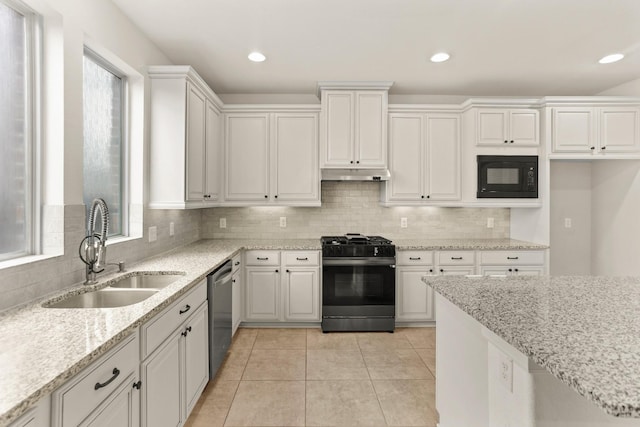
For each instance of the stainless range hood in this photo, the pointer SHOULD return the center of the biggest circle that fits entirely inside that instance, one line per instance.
(355, 174)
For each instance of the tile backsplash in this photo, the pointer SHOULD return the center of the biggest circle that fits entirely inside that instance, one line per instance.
(355, 207)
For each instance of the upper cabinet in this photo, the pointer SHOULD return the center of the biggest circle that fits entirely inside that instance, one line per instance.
(271, 158)
(593, 130)
(424, 158)
(353, 126)
(185, 140)
(508, 127)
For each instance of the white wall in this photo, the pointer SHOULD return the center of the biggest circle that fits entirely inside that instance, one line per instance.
(570, 198)
(68, 25)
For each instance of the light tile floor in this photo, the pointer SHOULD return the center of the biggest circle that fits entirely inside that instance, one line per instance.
(302, 377)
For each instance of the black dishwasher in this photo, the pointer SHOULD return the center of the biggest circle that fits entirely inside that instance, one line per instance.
(219, 294)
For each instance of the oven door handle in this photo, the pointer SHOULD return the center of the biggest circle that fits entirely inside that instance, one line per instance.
(355, 261)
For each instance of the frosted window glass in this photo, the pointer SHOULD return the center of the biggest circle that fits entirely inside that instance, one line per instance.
(14, 136)
(102, 168)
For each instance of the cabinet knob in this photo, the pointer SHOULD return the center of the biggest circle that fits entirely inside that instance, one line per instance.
(505, 141)
(276, 196)
(510, 270)
(511, 141)
(358, 162)
(431, 270)
(441, 271)
(137, 385)
(603, 148)
(277, 271)
(428, 196)
(592, 148)
(266, 197)
(351, 162)
(422, 196)
(515, 269)
(288, 271)
(233, 280)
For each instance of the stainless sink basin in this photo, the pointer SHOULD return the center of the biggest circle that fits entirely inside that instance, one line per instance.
(146, 281)
(104, 298)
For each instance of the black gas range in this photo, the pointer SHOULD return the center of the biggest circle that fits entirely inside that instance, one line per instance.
(358, 283)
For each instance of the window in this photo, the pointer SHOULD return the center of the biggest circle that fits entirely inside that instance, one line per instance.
(104, 101)
(18, 63)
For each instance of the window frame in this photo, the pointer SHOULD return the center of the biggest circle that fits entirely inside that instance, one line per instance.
(33, 129)
(124, 137)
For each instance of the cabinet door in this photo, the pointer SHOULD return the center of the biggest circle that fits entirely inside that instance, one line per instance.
(414, 297)
(456, 271)
(443, 157)
(302, 294)
(371, 129)
(406, 145)
(529, 271)
(573, 130)
(524, 127)
(247, 157)
(196, 357)
(262, 293)
(236, 309)
(213, 161)
(492, 127)
(196, 120)
(619, 129)
(161, 388)
(337, 129)
(496, 271)
(119, 410)
(295, 163)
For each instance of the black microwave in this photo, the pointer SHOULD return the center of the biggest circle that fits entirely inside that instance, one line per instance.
(507, 177)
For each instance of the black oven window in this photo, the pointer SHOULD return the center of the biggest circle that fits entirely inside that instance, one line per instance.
(503, 176)
(359, 285)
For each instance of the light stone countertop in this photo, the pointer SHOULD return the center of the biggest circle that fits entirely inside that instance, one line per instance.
(583, 330)
(464, 244)
(41, 348)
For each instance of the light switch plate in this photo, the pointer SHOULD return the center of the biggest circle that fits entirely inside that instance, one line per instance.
(172, 228)
(223, 222)
(490, 223)
(153, 234)
(505, 371)
(567, 223)
(283, 222)
(403, 222)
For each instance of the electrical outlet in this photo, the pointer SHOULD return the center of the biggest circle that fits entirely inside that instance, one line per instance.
(172, 228)
(223, 222)
(283, 221)
(505, 371)
(567, 223)
(490, 222)
(153, 234)
(403, 222)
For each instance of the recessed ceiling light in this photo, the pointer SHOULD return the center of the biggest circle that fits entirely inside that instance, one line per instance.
(611, 58)
(256, 57)
(440, 57)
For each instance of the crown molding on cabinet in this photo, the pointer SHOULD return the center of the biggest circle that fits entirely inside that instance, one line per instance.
(174, 71)
(351, 85)
(271, 108)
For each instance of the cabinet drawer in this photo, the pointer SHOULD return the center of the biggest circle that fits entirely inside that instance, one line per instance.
(456, 258)
(160, 327)
(262, 257)
(236, 263)
(414, 258)
(512, 257)
(75, 400)
(301, 258)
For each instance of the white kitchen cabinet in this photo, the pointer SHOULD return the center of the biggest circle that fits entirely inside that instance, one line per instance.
(512, 263)
(236, 292)
(424, 157)
(301, 290)
(177, 369)
(596, 130)
(456, 263)
(456, 270)
(353, 132)
(262, 293)
(38, 416)
(106, 391)
(496, 270)
(508, 127)
(414, 298)
(247, 157)
(271, 158)
(282, 286)
(185, 140)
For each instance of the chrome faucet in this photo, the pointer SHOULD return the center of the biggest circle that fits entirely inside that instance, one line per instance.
(93, 244)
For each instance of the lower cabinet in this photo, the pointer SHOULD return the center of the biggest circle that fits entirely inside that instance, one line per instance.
(38, 416)
(512, 263)
(285, 290)
(236, 297)
(175, 372)
(527, 270)
(104, 394)
(414, 298)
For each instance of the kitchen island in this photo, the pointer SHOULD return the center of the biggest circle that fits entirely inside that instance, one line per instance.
(537, 351)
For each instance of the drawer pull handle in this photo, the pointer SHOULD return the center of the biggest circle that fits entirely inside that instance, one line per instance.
(186, 331)
(456, 257)
(187, 308)
(262, 259)
(417, 258)
(512, 257)
(237, 263)
(137, 385)
(302, 259)
(116, 372)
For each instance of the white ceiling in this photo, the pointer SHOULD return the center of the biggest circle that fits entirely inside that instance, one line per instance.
(497, 47)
